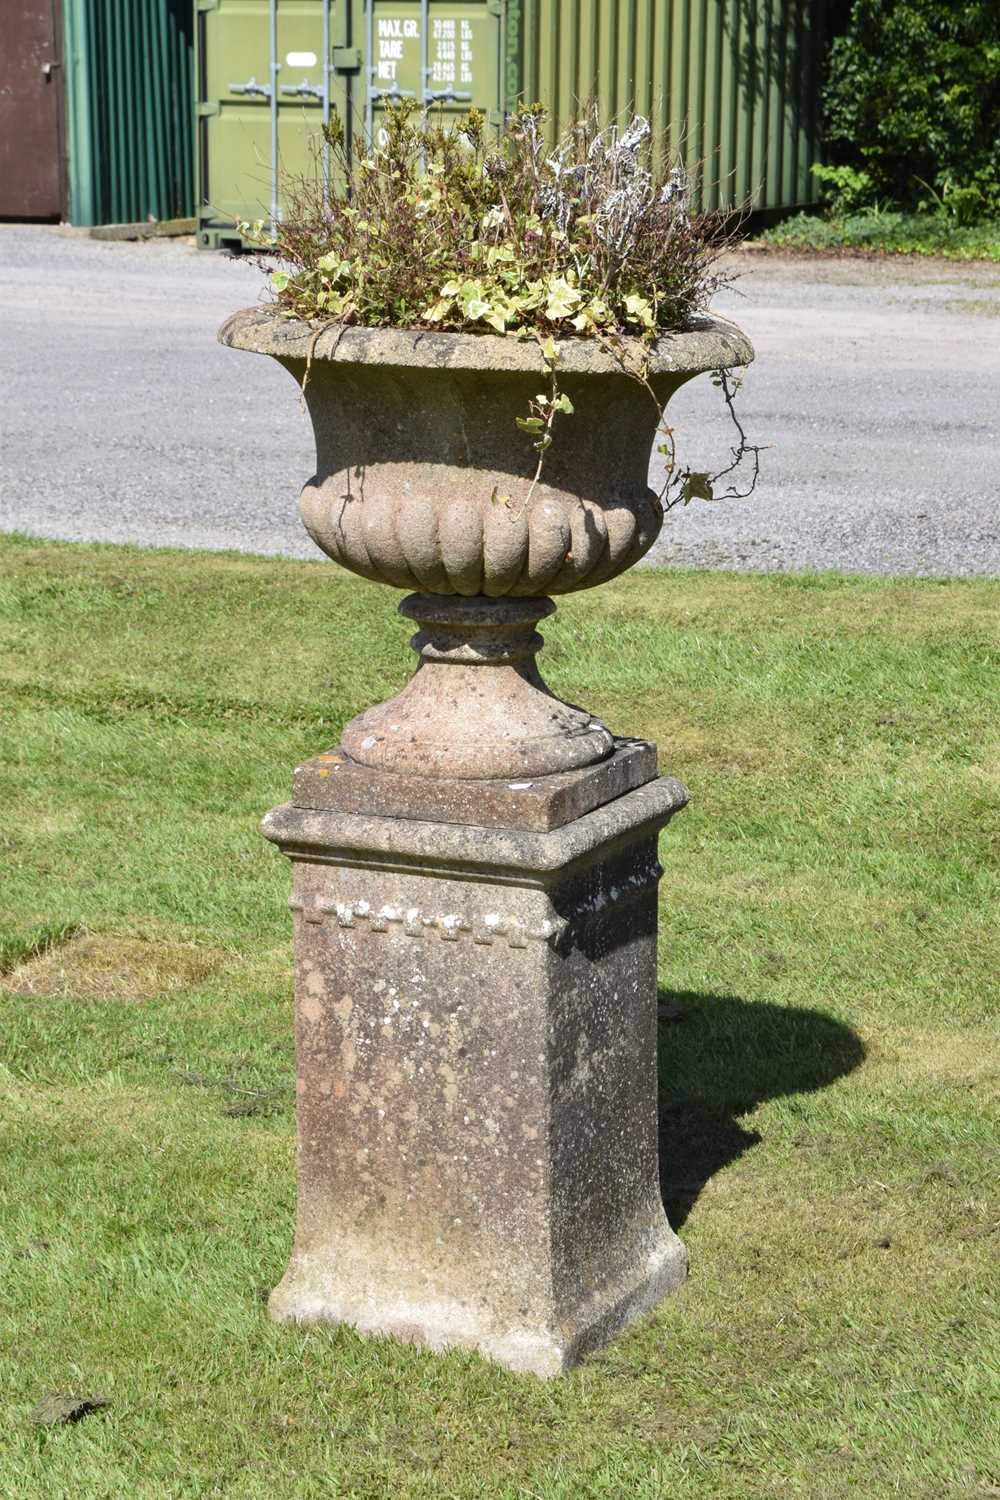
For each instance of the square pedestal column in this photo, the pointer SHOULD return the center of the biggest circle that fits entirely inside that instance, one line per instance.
(476, 1039)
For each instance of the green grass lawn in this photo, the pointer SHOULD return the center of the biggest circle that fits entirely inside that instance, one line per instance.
(886, 233)
(829, 932)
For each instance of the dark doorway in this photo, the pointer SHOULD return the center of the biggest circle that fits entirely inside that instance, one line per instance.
(32, 170)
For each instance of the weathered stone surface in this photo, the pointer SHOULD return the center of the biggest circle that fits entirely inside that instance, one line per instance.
(477, 706)
(423, 480)
(334, 782)
(492, 852)
(477, 1079)
(708, 343)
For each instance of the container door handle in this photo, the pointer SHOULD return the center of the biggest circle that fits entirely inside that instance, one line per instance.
(445, 94)
(251, 87)
(394, 93)
(304, 89)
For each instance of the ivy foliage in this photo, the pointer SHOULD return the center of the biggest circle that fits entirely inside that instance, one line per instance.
(468, 229)
(912, 103)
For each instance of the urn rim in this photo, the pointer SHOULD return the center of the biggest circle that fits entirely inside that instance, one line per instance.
(709, 342)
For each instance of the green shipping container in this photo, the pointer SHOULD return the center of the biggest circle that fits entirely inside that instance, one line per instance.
(268, 71)
(731, 85)
(128, 110)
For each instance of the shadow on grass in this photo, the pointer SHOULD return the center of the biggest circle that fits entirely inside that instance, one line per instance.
(719, 1058)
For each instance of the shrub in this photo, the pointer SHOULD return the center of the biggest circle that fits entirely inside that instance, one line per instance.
(881, 232)
(461, 229)
(912, 101)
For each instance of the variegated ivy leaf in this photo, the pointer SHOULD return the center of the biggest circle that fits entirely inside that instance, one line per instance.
(562, 299)
(639, 310)
(334, 266)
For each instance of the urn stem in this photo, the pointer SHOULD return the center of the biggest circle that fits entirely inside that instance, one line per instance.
(477, 706)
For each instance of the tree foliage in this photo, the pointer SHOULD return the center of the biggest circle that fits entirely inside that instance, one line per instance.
(912, 103)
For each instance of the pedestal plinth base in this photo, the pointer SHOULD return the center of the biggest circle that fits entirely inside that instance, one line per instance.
(307, 1294)
(476, 1037)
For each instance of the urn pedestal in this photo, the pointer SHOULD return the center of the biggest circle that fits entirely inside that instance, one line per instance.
(476, 1076)
(475, 866)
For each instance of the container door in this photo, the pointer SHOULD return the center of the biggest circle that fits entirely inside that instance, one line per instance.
(304, 41)
(31, 154)
(269, 72)
(266, 79)
(446, 54)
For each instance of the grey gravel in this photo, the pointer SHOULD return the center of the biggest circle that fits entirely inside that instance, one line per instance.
(875, 388)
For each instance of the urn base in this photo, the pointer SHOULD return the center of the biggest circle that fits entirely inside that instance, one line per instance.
(477, 1078)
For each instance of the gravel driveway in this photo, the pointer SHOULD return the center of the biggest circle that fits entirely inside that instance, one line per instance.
(875, 388)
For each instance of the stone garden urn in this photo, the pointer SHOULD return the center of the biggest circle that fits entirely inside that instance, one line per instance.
(475, 865)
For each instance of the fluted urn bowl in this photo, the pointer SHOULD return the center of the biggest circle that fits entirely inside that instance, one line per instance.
(423, 479)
